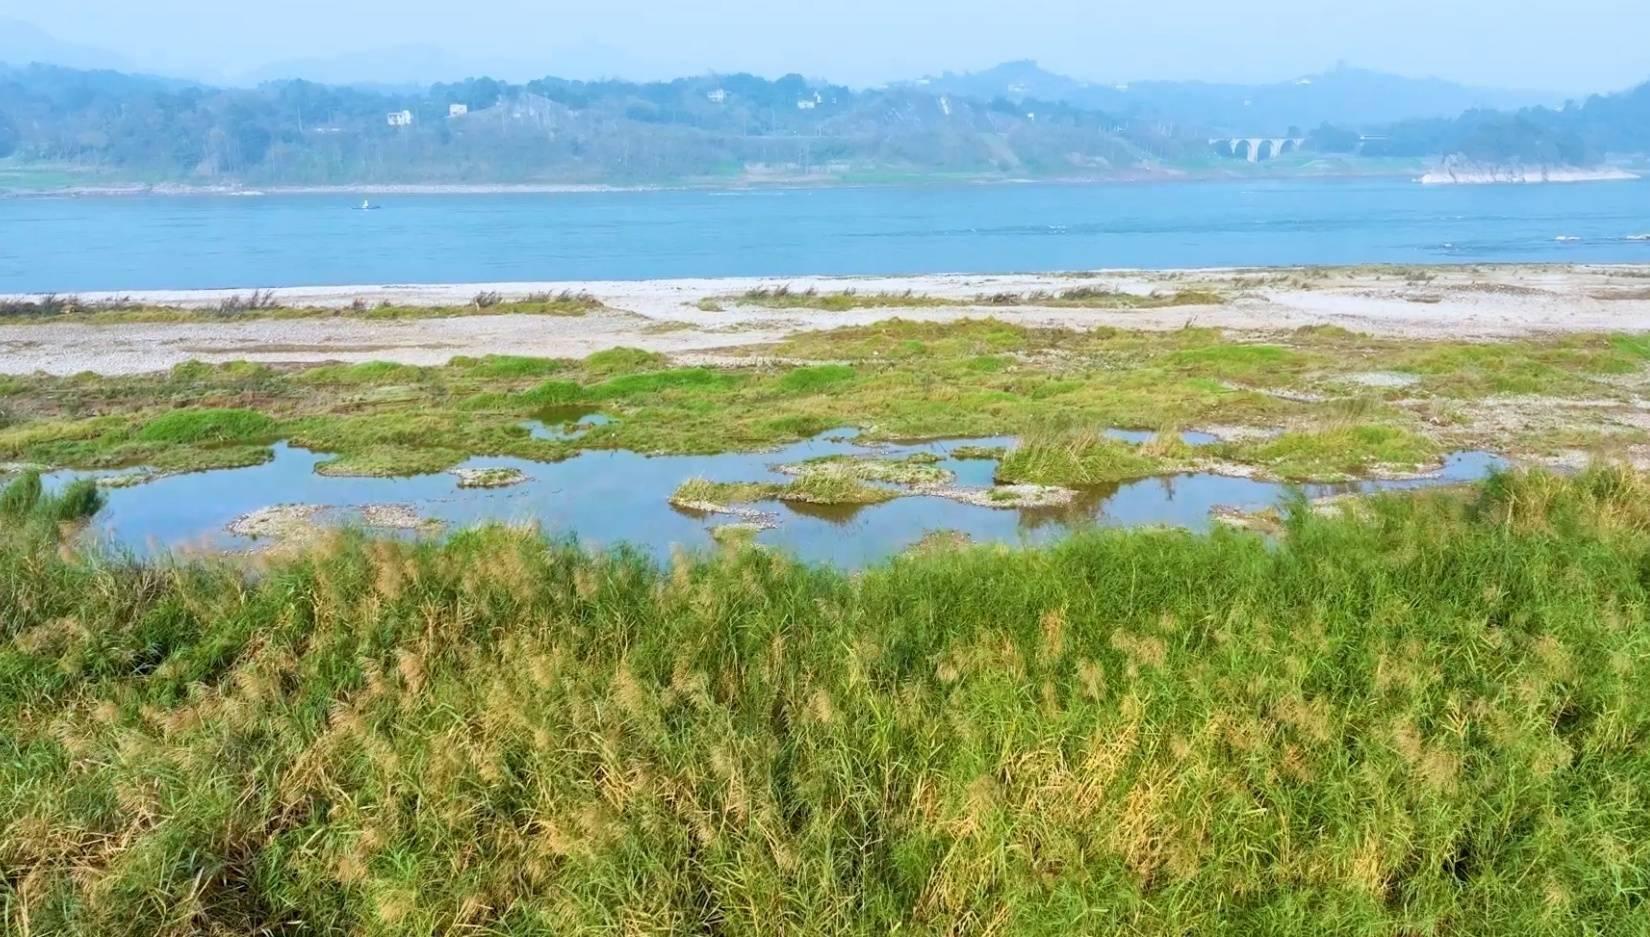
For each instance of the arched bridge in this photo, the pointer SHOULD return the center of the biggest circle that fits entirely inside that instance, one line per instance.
(1255, 149)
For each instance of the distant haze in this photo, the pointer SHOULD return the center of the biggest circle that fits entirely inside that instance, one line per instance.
(1573, 47)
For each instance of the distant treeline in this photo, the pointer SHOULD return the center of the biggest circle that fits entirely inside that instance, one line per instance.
(546, 130)
(553, 130)
(1575, 135)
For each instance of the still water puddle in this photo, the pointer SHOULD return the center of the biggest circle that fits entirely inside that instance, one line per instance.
(557, 424)
(604, 498)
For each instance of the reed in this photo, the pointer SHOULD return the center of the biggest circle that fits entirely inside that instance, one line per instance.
(1425, 718)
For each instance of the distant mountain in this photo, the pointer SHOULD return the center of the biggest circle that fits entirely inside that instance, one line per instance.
(22, 43)
(1343, 96)
(392, 67)
(407, 66)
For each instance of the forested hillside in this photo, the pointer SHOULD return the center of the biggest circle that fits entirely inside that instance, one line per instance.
(704, 128)
(1574, 135)
(548, 130)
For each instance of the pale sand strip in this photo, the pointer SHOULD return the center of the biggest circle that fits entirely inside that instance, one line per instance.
(662, 315)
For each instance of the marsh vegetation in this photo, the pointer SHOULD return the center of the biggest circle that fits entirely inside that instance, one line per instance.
(784, 297)
(1313, 404)
(266, 304)
(1400, 720)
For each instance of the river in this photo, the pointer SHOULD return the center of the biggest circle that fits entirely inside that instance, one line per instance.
(65, 245)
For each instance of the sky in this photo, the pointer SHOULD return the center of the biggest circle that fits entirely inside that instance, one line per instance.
(1575, 46)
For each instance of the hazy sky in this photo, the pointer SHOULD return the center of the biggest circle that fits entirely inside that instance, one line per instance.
(1571, 46)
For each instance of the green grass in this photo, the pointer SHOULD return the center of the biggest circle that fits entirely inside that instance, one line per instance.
(823, 488)
(209, 426)
(1428, 719)
(914, 469)
(506, 367)
(1267, 364)
(619, 360)
(815, 379)
(367, 372)
(892, 380)
(653, 382)
(552, 393)
(1339, 452)
(21, 495)
(1562, 365)
(704, 491)
(1073, 457)
(391, 461)
(827, 480)
(24, 501)
(832, 488)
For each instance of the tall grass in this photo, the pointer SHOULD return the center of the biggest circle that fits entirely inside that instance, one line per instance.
(783, 297)
(1055, 456)
(258, 300)
(24, 501)
(1429, 719)
(1088, 297)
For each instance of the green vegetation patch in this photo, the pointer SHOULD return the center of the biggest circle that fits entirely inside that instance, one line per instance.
(1340, 452)
(389, 461)
(1070, 458)
(209, 426)
(621, 360)
(833, 488)
(1251, 363)
(698, 491)
(1561, 365)
(900, 339)
(507, 367)
(892, 380)
(24, 501)
(915, 469)
(822, 488)
(551, 393)
(653, 382)
(1404, 720)
(811, 380)
(367, 372)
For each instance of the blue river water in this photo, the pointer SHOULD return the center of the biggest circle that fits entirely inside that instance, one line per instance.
(68, 245)
(606, 497)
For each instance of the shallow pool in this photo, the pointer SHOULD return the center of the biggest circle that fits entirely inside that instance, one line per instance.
(604, 498)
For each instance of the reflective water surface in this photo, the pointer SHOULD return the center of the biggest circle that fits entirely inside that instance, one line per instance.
(604, 498)
(135, 243)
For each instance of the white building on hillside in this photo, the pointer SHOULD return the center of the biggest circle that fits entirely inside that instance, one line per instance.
(457, 110)
(399, 118)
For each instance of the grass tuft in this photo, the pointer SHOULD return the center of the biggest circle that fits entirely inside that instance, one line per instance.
(783, 297)
(209, 426)
(811, 380)
(1344, 451)
(1073, 457)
